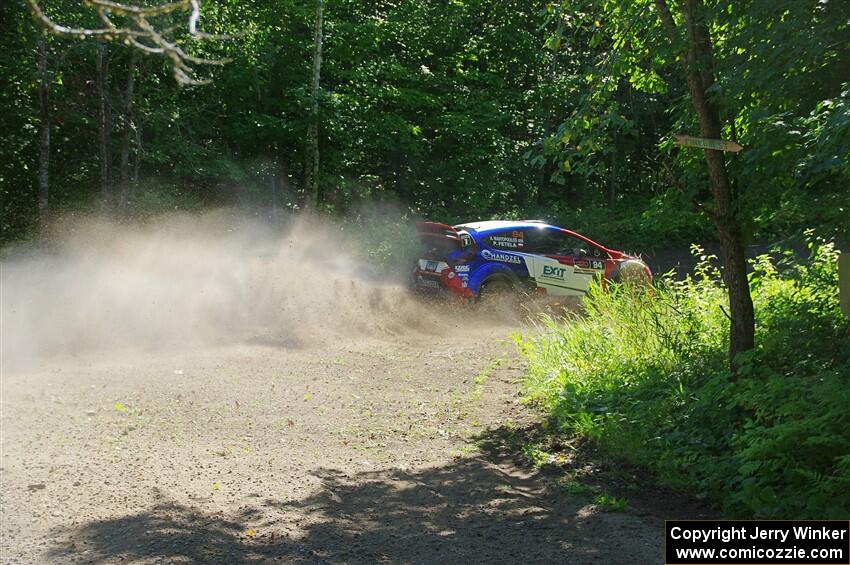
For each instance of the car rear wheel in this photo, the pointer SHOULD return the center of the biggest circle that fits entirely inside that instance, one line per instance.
(498, 295)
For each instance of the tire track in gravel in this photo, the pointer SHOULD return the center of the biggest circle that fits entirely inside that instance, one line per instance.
(359, 452)
(207, 389)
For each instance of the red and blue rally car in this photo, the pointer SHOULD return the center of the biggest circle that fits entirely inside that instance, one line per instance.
(476, 259)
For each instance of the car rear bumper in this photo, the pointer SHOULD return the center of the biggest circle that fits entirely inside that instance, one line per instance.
(436, 285)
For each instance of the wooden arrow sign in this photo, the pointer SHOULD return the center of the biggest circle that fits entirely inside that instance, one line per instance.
(703, 143)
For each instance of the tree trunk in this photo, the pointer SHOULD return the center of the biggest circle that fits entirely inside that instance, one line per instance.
(44, 145)
(612, 177)
(137, 160)
(311, 183)
(137, 132)
(546, 188)
(105, 118)
(124, 191)
(699, 71)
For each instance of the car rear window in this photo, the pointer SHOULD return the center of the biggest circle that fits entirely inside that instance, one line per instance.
(438, 246)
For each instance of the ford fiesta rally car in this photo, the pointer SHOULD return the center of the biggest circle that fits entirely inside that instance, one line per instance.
(474, 260)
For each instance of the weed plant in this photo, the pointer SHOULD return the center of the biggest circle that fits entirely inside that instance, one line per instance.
(642, 372)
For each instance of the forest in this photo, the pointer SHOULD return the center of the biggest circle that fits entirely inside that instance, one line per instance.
(451, 109)
(729, 382)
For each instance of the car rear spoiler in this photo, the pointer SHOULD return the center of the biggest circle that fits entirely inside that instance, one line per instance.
(439, 241)
(434, 229)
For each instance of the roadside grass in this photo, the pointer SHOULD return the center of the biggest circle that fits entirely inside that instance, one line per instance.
(465, 451)
(611, 503)
(571, 486)
(572, 469)
(642, 375)
(481, 378)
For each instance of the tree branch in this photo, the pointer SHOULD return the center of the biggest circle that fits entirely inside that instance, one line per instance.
(139, 33)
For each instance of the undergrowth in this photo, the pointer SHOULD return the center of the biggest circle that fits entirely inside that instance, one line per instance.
(643, 374)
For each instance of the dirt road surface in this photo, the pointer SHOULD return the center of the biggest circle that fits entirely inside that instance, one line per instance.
(366, 452)
(199, 391)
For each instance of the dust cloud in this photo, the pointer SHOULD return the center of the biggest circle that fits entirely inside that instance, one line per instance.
(184, 281)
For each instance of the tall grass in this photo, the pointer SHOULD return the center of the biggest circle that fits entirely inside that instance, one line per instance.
(642, 373)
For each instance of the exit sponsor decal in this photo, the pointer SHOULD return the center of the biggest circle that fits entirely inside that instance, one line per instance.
(554, 272)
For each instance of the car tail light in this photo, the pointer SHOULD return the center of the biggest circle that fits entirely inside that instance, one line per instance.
(436, 267)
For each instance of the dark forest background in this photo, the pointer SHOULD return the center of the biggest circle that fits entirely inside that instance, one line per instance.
(451, 110)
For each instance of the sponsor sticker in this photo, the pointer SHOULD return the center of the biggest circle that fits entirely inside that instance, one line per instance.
(589, 267)
(461, 269)
(553, 272)
(503, 257)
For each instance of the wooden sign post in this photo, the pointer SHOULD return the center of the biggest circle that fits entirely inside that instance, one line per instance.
(703, 143)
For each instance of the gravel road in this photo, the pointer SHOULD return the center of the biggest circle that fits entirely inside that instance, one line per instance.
(199, 391)
(361, 452)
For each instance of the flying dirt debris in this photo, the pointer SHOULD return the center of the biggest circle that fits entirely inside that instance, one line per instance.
(209, 387)
(181, 282)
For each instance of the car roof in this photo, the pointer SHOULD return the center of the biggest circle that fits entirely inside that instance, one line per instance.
(496, 225)
(482, 229)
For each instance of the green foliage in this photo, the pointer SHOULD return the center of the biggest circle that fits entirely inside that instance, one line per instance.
(569, 486)
(482, 377)
(642, 373)
(384, 239)
(781, 70)
(536, 456)
(611, 503)
(455, 111)
(635, 224)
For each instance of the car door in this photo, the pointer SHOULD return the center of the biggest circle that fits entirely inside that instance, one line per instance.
(564, 265)
(507, 248)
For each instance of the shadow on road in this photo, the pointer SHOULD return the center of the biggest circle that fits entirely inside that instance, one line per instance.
(476, 509)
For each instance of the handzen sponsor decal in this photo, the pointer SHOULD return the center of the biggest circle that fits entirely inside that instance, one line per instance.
(504, 257)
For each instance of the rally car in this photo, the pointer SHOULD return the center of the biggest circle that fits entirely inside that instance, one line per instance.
(478, 259)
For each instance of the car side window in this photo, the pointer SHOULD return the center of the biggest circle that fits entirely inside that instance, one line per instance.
(510, 240)
(558, 243)
(468, 248)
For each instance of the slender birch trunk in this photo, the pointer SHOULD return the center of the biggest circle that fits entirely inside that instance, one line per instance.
(312, 164)
(44, 143)
(612, 177)
(104, 123)
(127, 123)
(138, 150)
